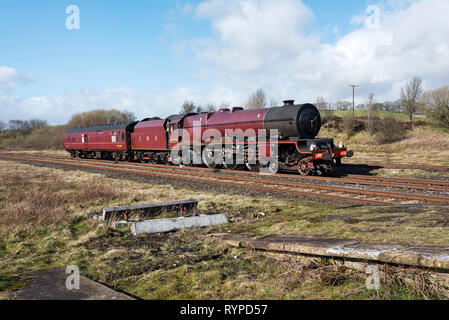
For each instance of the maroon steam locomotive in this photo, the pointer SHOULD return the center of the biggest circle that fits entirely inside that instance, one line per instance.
(226, 134)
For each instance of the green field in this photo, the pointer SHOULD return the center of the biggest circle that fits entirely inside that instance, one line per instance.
(383, 114)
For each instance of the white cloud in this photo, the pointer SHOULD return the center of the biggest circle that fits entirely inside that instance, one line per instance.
(263, 44)
(8, 76)
(358, 19)
(252, 34)
(59, 109)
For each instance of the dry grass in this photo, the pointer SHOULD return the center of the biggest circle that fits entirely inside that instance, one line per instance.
(30, 196)
(44, 225)
(46, 152)
(421, 145)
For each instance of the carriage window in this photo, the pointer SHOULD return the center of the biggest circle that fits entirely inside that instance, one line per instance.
(123, 136)
(113, 137)
(119, 137)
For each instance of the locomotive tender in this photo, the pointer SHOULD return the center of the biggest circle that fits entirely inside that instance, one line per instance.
(154, 140)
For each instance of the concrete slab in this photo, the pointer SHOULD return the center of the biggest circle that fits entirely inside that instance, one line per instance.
(428, 257)
(314, 246)
(166, 225)
(51, 285)
(149, 209)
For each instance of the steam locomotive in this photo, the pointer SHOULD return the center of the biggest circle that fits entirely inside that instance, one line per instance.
(273, 138)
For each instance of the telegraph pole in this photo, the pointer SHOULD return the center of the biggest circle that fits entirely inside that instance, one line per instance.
(353, 97)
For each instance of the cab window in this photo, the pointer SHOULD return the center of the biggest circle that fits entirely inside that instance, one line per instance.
(113, 137)
(119, 137)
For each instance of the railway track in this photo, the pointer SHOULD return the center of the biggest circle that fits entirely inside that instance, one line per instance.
(404, 166)
(299, 187)
(350, 179)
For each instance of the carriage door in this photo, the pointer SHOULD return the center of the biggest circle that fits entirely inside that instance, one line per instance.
(83, 141)
(175, 134)
(167, 134)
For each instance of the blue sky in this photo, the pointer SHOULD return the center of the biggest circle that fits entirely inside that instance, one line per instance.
(157, 48)
(119, 43)
(116, 45)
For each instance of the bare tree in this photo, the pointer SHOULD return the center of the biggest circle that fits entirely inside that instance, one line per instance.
(210, 108)
(436, 103)
(16, 127)
(188, 107)
(100, 117)
(2, 126)
(321, 104)
(410, 95)
(224, 105)
(37, 124)
(273, 103)
(129, 116)
(343, 105)
(257, 100)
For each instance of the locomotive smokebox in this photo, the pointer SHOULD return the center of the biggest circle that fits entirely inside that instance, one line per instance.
(301, 121)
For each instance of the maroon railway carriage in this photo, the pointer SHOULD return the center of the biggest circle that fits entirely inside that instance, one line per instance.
(153, 139)
(102, 142)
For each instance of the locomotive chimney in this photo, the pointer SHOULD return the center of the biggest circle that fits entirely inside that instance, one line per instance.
(289, 103)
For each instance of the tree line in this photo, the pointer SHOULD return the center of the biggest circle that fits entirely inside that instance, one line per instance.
(36, 133)
(257, 100)
(412, 100)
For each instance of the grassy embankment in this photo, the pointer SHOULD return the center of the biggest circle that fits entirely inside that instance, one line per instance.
(43, 224)
(423, 144)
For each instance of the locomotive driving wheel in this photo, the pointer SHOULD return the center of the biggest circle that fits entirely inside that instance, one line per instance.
(272, 167)
(253, 167)
(230, 161)
(230, 165)
(208, 157)
(303, 168)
